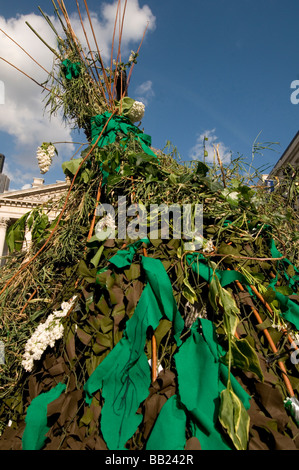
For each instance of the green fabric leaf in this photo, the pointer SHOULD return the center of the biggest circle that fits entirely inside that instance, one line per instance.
(36, 428)
(169, 432)
(202, 169)
(96, 259)
(289, 309)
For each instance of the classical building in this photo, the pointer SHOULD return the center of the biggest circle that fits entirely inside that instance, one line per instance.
(289, 157)
(14, 204)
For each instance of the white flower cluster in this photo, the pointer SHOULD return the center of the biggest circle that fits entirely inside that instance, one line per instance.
(132, 56)
(136, 113)
(45, 335)
(208, 246)
(44, 155)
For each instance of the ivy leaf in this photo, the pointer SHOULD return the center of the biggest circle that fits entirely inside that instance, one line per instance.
(234, 418)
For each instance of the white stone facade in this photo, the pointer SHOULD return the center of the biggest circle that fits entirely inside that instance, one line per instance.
(14, 204)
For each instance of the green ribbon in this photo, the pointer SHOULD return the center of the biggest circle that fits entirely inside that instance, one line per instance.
(289, 309)
(201, 379)
(118, 126)
(71, 69)
(36, 428)
(169, 432)
(124, 258)
(124, 375)
(200, 265)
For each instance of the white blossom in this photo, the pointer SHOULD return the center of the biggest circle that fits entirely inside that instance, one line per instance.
(136, 113)
(208, 246)
(44, 156)
(132, 56)
(46, 334)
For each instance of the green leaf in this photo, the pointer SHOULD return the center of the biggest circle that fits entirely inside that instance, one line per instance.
(285, 290)
(245, 358)
(15, 234)
(221, 298)
(269, 295)
(71, 167)
(201, 169)
(188, 292)
(234, 418)
(133, 272)
(173, 179)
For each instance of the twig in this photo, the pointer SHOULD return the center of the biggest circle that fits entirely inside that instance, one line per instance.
(220, 164)
(154, 341)
(131, 70)
(27, 53)
(28, 76)
(87, 41)
(99, 54)
(30, 298)
(271, 344)
(95, 210)
(43, 41)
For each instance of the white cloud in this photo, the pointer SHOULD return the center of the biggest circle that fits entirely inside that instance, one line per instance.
(197, 151)
(23, 116)
(144, 92)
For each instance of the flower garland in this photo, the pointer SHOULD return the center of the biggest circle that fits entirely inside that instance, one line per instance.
(45, 335)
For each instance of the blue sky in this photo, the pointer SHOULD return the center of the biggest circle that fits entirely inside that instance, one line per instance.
(207, 67)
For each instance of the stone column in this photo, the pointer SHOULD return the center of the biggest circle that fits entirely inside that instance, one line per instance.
(3, 227)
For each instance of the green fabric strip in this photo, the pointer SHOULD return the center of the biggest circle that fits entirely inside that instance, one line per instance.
(201, 378)
(124, 258)
(169, 432)
(289, 309)
(71, 69)
(118, 126)
(200, 265)
(124, 375)
(36, 428)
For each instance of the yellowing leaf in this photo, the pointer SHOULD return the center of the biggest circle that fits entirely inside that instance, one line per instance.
(189, 292)
(234, 418)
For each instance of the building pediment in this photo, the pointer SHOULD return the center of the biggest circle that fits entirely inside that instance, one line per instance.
(32, 197)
